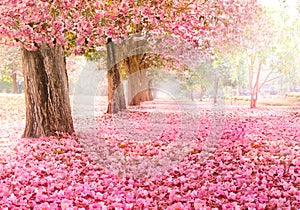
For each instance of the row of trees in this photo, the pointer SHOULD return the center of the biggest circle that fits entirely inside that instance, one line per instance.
(267, 50)
(47, 31)
(269, 46)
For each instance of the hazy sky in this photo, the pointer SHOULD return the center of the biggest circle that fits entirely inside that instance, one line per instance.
(275, 3)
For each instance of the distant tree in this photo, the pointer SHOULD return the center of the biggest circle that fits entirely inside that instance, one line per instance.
(267, 45)
(11, 66)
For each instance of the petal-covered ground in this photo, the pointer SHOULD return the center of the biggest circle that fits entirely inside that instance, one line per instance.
(256, 164)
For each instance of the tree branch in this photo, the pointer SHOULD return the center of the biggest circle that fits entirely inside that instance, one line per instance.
(265, 80)
(273, 79)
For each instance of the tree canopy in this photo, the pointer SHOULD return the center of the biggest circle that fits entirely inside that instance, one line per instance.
(80, 25)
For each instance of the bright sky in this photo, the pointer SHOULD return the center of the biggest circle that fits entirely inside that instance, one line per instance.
(275, 3)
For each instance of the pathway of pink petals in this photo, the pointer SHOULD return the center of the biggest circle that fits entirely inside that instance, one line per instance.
(256, 165)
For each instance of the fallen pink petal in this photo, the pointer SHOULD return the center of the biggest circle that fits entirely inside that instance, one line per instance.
(177, 105)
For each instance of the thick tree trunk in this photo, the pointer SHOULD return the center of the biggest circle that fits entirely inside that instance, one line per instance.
(134, 80)
(48, 109)
(138, 88)
(14, 81)
(144, 96)
(116, 97)
(135, 65)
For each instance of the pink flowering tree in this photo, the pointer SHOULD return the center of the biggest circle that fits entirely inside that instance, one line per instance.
(204, 24)
(47, 30)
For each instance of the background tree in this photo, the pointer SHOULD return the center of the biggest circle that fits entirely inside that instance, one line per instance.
(197, 22)
(10, 67)
(291, 41)
(201, 79)
(272, 50)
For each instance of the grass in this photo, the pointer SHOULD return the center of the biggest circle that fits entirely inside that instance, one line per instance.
(276, 101)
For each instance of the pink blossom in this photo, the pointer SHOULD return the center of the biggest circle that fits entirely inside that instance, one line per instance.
(66, 204)
(199, 204)
(176, 206)
(43, 206)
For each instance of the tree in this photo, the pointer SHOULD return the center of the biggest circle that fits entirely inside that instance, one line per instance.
(290, 66)
(10, 66)
(200, 79)
(44, 31)
(46, 92)
(116, 98)
(197, 22)
(268, 45)
(135, 66)
(48, 30)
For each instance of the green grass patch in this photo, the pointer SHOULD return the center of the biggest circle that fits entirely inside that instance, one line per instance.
(274, 102)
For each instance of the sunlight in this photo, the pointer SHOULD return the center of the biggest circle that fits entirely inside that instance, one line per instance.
(6, 146)
(292, 9)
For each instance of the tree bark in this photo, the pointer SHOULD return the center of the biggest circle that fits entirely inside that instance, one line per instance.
(138, 88)
(144, 96)
(14, 81)
(116, 97)
(134, 80)
(48, 109)
(135, 65)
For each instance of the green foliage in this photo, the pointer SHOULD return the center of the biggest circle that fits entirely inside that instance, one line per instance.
(273, 41)
(94, 55)
(6, 79)
(5, 86)
(10, 62)
(202, 77)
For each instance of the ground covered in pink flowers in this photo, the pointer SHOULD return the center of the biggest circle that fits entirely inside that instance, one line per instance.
(256, 165)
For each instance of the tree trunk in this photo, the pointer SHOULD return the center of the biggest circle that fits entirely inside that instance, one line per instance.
(253, 101)
(116, 98)
(254, 89)
(202, 93)
(137, 86)
(14, 81)
(149, 91)
(192, 95)
(48, 109)
(134, 80)
(144, 96)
